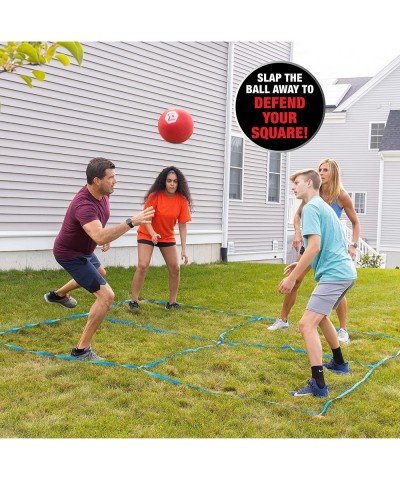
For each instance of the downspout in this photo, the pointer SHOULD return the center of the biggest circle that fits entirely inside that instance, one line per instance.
(287, 189)
(380, 203)
(227, 160)
(285, 225)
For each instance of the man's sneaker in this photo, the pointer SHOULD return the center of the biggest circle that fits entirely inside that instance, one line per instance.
(67, 301)
(311, 389)
(87, 355)
(343, 336)
(171, 306)
(279, 323)
(335, 367)
(133, 306)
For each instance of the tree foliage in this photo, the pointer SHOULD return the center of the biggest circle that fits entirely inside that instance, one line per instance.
(35, 55)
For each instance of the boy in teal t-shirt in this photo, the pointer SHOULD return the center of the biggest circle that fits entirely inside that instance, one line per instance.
(326, 252)
(333, 262)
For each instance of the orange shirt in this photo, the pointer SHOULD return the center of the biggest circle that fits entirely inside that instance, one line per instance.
(168, 211)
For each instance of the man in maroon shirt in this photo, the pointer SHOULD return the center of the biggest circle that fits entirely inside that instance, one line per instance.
(83, 228)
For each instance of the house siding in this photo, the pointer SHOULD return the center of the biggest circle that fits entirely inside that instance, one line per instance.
(110, 107)
(390, 200)
(348, 144)
(254, 223)
(49, 134)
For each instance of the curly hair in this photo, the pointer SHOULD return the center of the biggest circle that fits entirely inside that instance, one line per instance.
(160, 184)
(335, 184)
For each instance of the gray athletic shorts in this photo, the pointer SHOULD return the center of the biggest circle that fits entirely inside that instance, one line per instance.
(327, 295)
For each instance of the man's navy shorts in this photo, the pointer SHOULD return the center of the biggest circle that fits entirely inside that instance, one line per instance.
(84, 270)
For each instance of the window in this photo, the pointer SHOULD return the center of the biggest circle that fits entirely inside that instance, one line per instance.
(236, 169)
(274, 177)
(376, 134)
(359, 201)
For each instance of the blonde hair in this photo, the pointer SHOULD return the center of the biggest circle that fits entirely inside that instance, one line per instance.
(310, 174)
(334, 186)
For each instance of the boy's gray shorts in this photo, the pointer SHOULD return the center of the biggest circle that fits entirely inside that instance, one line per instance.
(327, 295)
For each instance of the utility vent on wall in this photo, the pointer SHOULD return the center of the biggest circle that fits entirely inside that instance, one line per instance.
(231, 247)
(275, 245)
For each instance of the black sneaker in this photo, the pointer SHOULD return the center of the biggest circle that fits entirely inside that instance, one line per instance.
(170, 306)
(133, 306)
(67, 301)
(86, 356)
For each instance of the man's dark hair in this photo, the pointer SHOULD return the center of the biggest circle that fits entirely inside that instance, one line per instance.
(97, 168)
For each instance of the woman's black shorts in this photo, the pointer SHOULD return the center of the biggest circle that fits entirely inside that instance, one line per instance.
(159, 244)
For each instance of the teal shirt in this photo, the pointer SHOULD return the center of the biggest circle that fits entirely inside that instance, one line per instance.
(333, 262)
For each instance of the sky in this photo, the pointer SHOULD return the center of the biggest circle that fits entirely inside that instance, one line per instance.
(343, 58)
(335, 39)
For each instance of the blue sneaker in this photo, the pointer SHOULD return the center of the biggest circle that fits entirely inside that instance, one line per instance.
(336, 368)
(311, 389)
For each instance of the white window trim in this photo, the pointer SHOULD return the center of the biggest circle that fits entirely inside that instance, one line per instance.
(280, 182)
(239, 200)
(352, 196)
(369, 136)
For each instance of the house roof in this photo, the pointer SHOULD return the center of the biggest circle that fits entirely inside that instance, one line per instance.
(367, 86)
(391, 137)
(353, 84)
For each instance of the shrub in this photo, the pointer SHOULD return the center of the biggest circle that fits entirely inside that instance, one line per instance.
(370, 261)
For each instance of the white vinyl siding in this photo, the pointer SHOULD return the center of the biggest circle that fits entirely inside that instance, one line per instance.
(110, 107)
(255, 224)
(348, 144)
(390, 201)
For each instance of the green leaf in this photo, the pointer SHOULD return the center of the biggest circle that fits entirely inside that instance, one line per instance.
(29, 51)
(75, 49)
(63, 59)
(27, 79)
(39, 75)
(50, 52)
(80, 53)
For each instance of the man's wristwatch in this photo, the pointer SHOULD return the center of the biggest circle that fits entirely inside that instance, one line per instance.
(128, 221)
(355, 244)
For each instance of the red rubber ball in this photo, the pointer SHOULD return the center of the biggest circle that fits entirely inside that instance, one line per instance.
(175, 125)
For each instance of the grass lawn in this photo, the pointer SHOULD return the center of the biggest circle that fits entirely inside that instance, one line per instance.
(213, 372)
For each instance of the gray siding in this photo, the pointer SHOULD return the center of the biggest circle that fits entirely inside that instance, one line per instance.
(390, 201)
(110, 107)
(348, 144)
(254, 223)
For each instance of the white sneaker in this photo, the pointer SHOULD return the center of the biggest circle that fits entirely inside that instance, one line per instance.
(343, 336)
(279, 323)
